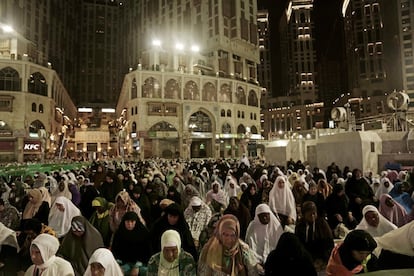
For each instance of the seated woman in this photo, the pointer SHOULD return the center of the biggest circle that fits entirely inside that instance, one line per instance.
(282, 202)
(29, 230)
(374, 223)
(61, 215)
(79, 244)
(100, 218)
(131, 245)
(315, 234)
(289, 258)
(392, 210)
(103, 263)
(396, 248)
(226, 254)
(173, 218)
(347, 258)
(45, 263)
(36, 207)
(172, 260)
(123, 204)
(337, 209)
(237, 209)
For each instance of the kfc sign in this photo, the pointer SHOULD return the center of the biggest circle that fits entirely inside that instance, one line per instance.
(31, 146)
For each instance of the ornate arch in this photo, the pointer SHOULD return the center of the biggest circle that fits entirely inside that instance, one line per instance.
(162, 126)
(209, 92)
(252, 100)
(151, 88)
(241, 129)
(172, 89)
(191, 91)
(134, 89)
(225, 94)
(200, 121)
(37, 84)
(10, 79)
(241, 95)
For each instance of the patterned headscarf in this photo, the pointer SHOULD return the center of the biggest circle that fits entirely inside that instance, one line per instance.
(217, 257)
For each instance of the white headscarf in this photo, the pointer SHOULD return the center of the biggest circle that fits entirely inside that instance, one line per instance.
(263, 238)
(383, 227)
(104, 257)
(61, 221)
(228, 189)
(282, 200)
(382, 189)
(168, 239)
(400, 240)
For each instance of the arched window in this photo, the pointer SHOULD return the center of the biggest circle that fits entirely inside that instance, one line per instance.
(132, 111)
(253, 101)
(225, 94)
(172, 89)
(136, 110)
(226, 129)
(302, 17)
(9, 79)
(151, 88)
(242, 115)
(200, 122)
(191, 91)
(228, 113)
(34, 127)
(223, 113)
(253, 130)
(34, 107)
(134, 127)
(37, 84)
(209, 92)
(241, 95)
(238, 114)
(241, 129)
(134, 89)
(163, 126)
(40, 108)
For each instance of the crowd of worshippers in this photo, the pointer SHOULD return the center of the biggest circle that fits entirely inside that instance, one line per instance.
(206, 217)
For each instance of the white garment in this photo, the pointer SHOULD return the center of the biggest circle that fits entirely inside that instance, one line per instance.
(8, 237)
(383, 227)
(281, 200)
(400, 240)
(262, 238)
(104, 257)
(48, 246)
(382, 189)
(229, 190)
(61, 221)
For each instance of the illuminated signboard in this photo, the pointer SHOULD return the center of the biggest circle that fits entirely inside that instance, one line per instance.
(32, 146)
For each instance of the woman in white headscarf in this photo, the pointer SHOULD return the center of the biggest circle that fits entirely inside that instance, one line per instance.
(282, 202)
(172, 260)
(263, 232)
(385, 187)
(103, 263)
(374, 223)
(45, 263)
(61, 215)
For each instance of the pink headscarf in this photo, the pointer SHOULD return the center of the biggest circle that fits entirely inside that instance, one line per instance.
(396, 214)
